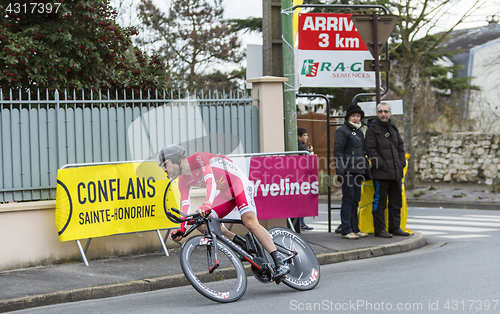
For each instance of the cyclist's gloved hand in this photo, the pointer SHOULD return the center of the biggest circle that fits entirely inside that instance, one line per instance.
(178, 234)
(205, 209)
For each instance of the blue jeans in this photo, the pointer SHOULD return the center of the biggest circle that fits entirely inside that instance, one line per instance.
(351, 194)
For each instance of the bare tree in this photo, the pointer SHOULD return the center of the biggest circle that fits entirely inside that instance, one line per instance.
(418, 18)
(192, 37)
(125, 12)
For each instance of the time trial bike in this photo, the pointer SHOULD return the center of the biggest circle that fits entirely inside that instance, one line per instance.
(213, 264)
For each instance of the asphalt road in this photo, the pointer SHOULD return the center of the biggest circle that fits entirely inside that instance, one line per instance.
(456, 272)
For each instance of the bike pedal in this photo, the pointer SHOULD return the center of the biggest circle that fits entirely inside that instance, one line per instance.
(279, 279)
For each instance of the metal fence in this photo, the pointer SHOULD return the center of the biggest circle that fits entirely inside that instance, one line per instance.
(42, 131)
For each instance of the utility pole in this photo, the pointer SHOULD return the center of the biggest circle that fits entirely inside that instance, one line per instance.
(290, 110)
(272, 48)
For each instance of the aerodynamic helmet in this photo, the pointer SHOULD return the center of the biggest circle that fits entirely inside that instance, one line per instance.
(172, 153)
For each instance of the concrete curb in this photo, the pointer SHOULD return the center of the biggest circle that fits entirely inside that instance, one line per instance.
(415, 241)
(90, 293)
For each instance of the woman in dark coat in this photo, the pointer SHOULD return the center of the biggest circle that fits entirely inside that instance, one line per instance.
(351, 166)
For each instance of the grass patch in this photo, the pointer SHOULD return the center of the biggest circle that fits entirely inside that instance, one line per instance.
(419, 193)
(495, 188)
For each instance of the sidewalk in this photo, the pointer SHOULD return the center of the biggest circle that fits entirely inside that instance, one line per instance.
(445, 195)
(104, 278)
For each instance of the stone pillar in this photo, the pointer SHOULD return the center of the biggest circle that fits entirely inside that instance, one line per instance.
(269, 91)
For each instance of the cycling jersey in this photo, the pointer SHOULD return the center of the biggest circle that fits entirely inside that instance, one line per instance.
(227, 186)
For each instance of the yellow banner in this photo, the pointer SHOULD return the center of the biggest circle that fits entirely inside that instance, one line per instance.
(96, 201)
(365, 209)
(296, 19)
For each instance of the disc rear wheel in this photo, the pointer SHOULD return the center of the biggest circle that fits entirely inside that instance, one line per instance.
(304, 267)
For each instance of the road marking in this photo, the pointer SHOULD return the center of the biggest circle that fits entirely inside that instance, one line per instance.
(425, 232)
(334, 222)
(464, 236)
(484, 216)
(419, 227)
(319, 230)
(460, 218)
(455, 227)
(322, 226)
(334, 211)
(455, 222)
(433, 208)
(449, 227)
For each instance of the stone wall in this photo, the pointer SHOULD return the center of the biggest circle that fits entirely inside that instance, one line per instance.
(460, 157)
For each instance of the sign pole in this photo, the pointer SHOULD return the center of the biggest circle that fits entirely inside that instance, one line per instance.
(376, 56)
(290, 108)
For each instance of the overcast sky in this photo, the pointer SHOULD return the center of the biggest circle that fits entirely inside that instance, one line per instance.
(235, 9)
(253, 8)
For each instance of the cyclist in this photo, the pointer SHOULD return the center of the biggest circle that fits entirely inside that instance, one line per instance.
(227, 187)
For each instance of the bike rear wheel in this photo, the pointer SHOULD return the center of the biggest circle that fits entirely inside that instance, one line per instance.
(304, 268)
(227, 283)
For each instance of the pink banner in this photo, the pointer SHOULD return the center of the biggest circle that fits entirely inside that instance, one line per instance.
(285, 186)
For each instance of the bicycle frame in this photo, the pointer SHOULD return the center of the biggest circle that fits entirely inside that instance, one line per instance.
(214, 233)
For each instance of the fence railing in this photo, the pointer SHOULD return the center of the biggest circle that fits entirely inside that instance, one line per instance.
(42, 131)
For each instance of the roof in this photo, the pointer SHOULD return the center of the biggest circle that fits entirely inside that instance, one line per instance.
(467, 39)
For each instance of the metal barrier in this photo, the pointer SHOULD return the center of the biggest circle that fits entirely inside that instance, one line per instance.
(83, 251)
(163, 240)
(41, 131)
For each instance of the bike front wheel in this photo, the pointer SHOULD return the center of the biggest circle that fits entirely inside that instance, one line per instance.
(304, 267)
(227, 283)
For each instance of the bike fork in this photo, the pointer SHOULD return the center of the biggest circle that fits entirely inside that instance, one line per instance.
(213, 266)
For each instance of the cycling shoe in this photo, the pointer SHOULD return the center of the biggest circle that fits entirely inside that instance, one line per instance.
(280, 272)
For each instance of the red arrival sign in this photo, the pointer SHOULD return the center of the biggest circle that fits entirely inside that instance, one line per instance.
(328, 31)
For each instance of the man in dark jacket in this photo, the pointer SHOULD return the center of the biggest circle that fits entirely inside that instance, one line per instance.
(385, 149)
